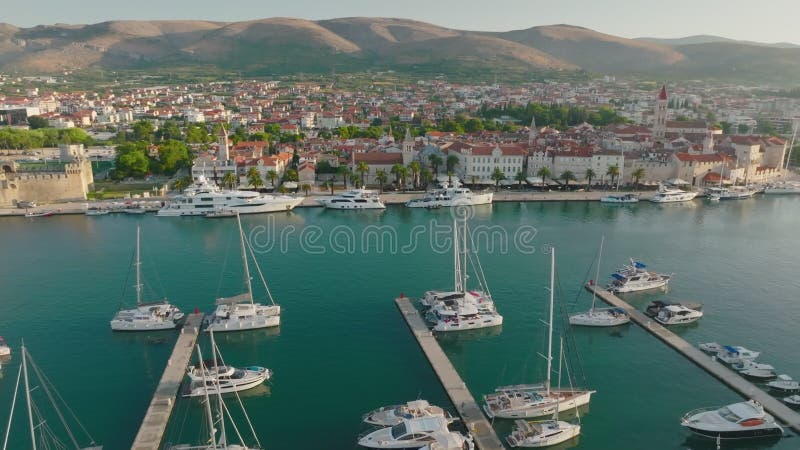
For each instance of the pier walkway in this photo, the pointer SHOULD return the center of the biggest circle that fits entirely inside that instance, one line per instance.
(733, 380)
(155, 421)
(471, 414)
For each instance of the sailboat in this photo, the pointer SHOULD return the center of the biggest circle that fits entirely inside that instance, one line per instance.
(544, 433)
(42, 435)
(600, 317)
(462, 309)
(158, 315)
(218, 435)
(239, 313)
(535, 400)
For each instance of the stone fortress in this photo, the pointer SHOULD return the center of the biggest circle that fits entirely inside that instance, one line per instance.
(69, 179)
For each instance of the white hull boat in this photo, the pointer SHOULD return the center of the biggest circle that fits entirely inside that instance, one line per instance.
(410, 433)
(620, 199)
(451, 196)
(537, 434)
(785, 188)
(784, 384)
(354, 199)
(96, 212)
(634, 277)
(600, 317)
(238, 380)
(732, 193)
(710, 347)
(755, 370)
(388, 416)
(673, 196)
(734, 354)
(450, 441)
(203, 197)
(677, 315)
(745, 420)
(792, 400)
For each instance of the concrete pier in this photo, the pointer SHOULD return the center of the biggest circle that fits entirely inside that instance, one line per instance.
(155, 421)
(733, 380)
(471, 414)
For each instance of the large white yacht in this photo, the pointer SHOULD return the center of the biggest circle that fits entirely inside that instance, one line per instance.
(541, 433)
(410, 433)
(672, 195)
(600, 317)
(731, 193)
(536, 400)
(731, 354)
(203, 197)
(147, 316)
(354, 199)
(451, 196)
(635, 277)
(737, 421)
(240, 312)
(388, 416)
(462, 309)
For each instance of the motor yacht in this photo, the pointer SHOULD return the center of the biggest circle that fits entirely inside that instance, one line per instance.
(672, 195)
(451, 196)
(620, 199)
(784, 384)
(354, 199)
(734, 354)
(635, 277)
(409, 433)
(388, 416)
(544, 433)
(752, 369)
(742, 420)
(676, 314)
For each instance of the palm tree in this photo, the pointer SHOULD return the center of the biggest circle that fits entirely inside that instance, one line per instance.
(354, 179)
(272, 176)
(450, 178)
(400, 172)
(179, 185)
(254, 178)
(520, 178)
(331, 183)
(229, 180)
(637, 175)
(567, 176)
(380, 177)
(435, 161)
(613, 172)
(589, 175)
(543, 173)
(305, 187)
(396, 170)
(497, 176)
(415, 169)
(425, 177)
(362, 168)
(451, 162)
(344, 171)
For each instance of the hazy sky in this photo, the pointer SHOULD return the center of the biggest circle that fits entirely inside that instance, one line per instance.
(765, 21)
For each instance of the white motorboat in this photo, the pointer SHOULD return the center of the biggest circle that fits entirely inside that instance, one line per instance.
(620, 199)
(672, 195)
(388, 416)
(743, 420)
(203, 197)
(138, 210)
(450, 441)
(635, 277)
(5, 350)
(710, 347)
(677, 315)
(410, 433)
(43, 431)
(600, 317)
(214, 376)
(712, 197)
(734, 354)
(784, 384)
(462, 309)
(753, 369)
(216, 420)
(97, 212)
(240, 312)
(451, 196)
(147, 316)
(544, 433)
(732, 193)
(536, 400)
(43, 213)
(783, 188)
(354, 199)
(792, 400)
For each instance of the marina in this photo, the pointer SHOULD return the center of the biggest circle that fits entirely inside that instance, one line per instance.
(460, 396)
(158, 413)
(730, 378)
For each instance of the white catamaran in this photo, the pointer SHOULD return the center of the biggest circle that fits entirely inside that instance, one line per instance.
(536, 400)
(239, 313)
(158, 315)
(600, 317)
(42, 434)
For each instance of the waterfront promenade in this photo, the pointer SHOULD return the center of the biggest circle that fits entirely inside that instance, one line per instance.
(155, 420)
(733, 380)
(471, 414)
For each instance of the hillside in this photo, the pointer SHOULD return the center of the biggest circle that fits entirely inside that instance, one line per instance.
(287, 45)
(709, 39)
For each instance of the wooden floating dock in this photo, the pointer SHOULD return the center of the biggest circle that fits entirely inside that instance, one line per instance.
(155, 421)
(482, 432)
(733, 380)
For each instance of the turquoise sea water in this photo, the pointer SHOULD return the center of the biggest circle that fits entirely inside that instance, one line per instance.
(343, 348)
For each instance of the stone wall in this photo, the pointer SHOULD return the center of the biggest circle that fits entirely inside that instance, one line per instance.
(45, 187)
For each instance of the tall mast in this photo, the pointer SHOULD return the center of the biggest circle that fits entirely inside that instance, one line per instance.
(464, 251)
(220, 406)
(13, 405)
(560, 359)
(597, 272)
(204, 371)
(138, 270)
(28, 395)
(457, 286)
(796, 124)
(550, 332)
(244, 260)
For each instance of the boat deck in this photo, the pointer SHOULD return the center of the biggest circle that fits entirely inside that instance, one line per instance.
(471, 414)
(733, 380)
(155, 421)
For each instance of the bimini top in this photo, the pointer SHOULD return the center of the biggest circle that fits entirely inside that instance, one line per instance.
(618, 276)
(639, 265)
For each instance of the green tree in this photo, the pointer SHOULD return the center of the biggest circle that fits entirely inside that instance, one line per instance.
(132, 164)
(354, 179)
(381, 177)
(451, 162)
(400, 172)
(306, 188)
(254, 178)
(169, 130)
(497, 176)
(36, 122)
(589, 175)
(415, 169)
(179, 185)
(637, 175)
(613, 172)
(197, 134)
(291, 175)
(362, 168)
(543, 173)
(567, 176)
(520, 178)
(143, 131)
(272, 175)
(435, 161)
(230, 180)
(344, 171)
(473, 125)
(173, 155)
(425, 177)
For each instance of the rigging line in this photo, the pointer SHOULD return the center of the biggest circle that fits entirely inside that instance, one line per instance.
(571, 388)
(249, 423)
(224, 264)
(233, 423)
(46, 389)
(61, 399)
(570, 337)
(158, 279)
(258, 269)
(247, 418)
(125, 284)
(585, 277)
(13, 403)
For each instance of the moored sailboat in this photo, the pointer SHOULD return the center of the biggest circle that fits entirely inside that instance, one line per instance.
(600, 317)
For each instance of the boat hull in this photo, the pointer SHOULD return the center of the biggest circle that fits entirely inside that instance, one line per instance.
(540, 410)
(202, 390)
(267, 207)
(219, 325)
(662, 284)
(595, 319)
(123, 325)
(472, 324)
(775, 432)
(474, 200)
(565, 432)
